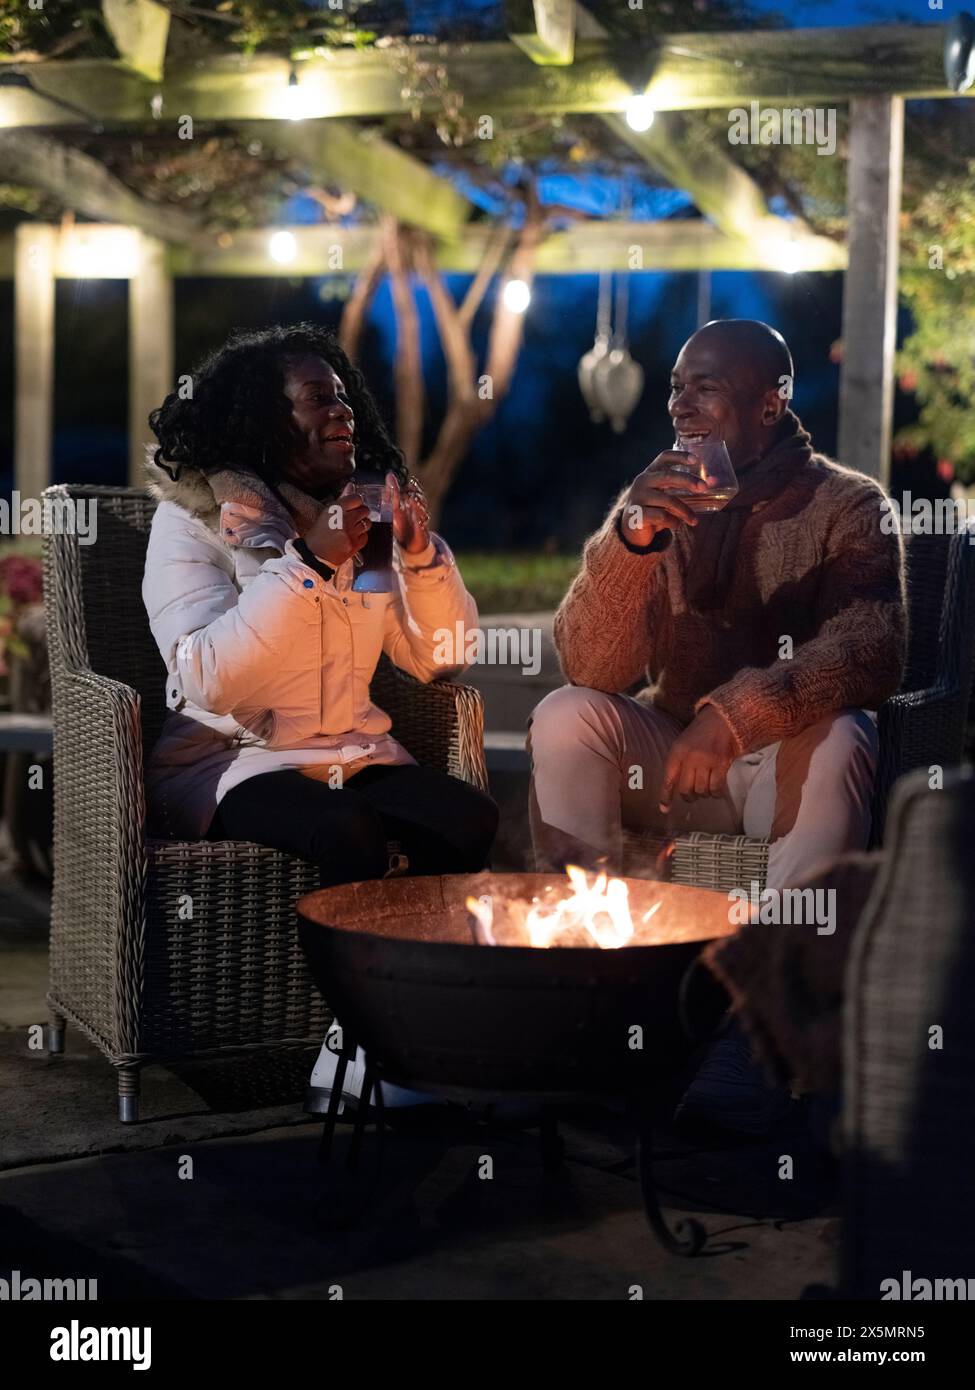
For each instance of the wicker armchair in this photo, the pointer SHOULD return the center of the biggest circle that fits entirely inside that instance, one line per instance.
(909, 1091)
(164, 948)
(921, 726)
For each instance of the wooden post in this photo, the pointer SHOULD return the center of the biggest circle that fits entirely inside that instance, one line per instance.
(870, 286)
(150, 348)
(34, 260)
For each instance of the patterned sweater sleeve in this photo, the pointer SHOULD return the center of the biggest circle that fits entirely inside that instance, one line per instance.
(856, 657)
(603, 630)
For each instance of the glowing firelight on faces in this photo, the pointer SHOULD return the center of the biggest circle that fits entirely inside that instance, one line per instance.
(602, 909)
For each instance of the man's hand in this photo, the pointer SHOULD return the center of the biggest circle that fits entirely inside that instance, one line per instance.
(654, 502)
(699, 759)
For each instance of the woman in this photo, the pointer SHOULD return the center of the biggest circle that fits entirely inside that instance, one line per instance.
(271, 735)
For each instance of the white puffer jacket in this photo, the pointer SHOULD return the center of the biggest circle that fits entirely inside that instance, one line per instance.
(270, 664)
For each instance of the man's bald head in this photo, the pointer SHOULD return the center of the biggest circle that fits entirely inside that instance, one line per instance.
(752, 345)
(733, 381)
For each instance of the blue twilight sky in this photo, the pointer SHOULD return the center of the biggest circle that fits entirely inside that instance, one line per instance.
(793, 14)
(812, 14)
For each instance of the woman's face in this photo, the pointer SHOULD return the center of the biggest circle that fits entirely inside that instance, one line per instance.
(322, 415)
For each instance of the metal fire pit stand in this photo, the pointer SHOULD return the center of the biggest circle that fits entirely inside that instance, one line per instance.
(688, 1236)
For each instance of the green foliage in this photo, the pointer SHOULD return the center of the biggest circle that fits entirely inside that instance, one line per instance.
(517, 583)
(58, 27)
(285, 24)
(937, 361)
(31, 201)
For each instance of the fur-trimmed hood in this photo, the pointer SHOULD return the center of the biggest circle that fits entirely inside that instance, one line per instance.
(191, 490)
(235, 503)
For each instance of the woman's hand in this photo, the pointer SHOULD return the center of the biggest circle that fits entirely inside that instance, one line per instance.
(411, 516)
(340, 530)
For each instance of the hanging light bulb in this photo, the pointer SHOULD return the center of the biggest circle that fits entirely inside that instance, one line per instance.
(282, 247)
(639, 112)
(517, 296)
(782, 252)
(790, 260)
(296, 101)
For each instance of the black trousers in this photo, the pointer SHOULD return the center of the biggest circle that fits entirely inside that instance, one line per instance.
(441, 824)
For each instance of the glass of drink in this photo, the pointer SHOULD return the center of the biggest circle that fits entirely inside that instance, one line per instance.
(374, 562)
(709, 460)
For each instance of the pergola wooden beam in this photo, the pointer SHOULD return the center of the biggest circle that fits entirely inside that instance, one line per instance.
(544, 29)
(79, 182)
(364, 163)
(585, 248)
(790, 67)
(721, 190)
(140, 31)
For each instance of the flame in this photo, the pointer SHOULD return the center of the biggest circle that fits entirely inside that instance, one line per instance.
(602, 909)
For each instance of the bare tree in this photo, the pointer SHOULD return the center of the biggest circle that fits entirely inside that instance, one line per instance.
(472, 396)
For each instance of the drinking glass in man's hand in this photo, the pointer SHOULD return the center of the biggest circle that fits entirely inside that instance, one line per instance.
(708, 460)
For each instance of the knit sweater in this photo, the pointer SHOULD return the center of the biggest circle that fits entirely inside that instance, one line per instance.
(819, 562)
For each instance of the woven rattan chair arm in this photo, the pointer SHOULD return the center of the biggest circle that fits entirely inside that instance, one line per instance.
(916, 719)
(98, 756)
(916, 729)
(906, 700)
(440, 723)
(468, 709)
(113, 715)
(98, 913)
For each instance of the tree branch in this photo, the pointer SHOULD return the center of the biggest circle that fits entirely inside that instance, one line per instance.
(497, 246)
(408, 366)
(354, 312)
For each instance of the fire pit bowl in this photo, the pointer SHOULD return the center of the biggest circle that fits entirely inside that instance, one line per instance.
(398, 963)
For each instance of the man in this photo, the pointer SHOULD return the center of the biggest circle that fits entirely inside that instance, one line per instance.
(767, 630)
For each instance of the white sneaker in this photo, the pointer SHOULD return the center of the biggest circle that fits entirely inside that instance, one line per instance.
(319, 1088)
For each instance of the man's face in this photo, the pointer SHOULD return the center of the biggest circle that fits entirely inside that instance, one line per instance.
(713, 395)
(322, 416)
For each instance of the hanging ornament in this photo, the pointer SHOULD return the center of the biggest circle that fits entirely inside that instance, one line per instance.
(599, 349)
(617, 378)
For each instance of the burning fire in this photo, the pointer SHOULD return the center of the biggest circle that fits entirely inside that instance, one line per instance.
(600, 909)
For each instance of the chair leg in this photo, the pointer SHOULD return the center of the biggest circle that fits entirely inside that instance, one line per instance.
(129, 1086)
(55, 1034)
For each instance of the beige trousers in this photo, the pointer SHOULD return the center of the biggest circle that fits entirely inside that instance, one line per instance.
(598, 762)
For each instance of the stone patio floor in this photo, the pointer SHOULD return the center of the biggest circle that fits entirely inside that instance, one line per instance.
(253, 1215)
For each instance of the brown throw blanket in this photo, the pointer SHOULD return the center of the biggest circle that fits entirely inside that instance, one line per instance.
(786, 983)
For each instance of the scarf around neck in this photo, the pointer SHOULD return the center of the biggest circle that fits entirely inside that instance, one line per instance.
(718, 534)
(251, 514)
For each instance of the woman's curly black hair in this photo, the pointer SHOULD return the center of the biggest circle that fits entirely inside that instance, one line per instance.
(238, 414)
